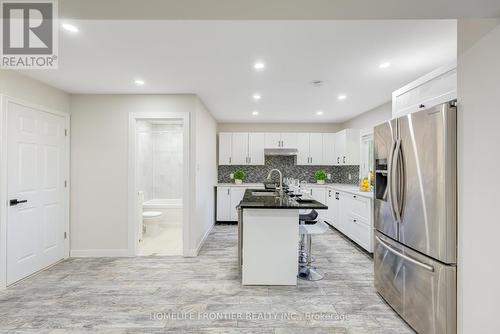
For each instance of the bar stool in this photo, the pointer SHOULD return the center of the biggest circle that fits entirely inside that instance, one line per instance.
(305, 217)
(308, 272)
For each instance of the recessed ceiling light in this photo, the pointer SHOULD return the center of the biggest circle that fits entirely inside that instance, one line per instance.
(255, 113)
(139, 82)
(259, 66)
(342, 97)
(319, 112)
(384, 65)
(69, 27)
(256, 97)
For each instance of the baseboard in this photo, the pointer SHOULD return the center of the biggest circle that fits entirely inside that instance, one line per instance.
(99, 253)
(195, 251)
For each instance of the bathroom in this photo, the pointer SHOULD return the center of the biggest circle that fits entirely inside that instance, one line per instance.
(159, 168)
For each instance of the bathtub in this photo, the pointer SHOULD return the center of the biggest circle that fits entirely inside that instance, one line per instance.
(171, 209)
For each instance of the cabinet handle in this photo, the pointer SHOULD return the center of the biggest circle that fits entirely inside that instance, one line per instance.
(250, 160)
(229, 159)
(422, 106)
(311, 160)
(338, 160)
(344, 159)
(228, 191)
(354, 220)
(354, 196)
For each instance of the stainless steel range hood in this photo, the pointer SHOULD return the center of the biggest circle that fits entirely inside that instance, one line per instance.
(280, 151)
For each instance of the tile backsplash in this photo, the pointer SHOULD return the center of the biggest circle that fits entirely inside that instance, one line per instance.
(287, 165)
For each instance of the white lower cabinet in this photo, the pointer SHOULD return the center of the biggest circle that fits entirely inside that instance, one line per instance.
(228, 198)
(351, 214)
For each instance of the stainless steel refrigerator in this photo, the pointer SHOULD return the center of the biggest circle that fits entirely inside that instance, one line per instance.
(415, 213)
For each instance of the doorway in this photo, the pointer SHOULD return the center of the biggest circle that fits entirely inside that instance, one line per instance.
(159, 148)
(35, 189)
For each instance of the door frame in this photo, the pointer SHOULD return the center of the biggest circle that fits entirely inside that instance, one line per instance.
(133, 237)
(4, 100)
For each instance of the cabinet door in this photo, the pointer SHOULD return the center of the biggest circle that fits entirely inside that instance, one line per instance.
(256, 142)
(328, 149)
(319, 194)
(239, 151)
(330, 202)
(303, 149)
(225, 140)
(272, 140)
(223, 203)
(236, 197)
(340, 143)
(315, 148)
(352, 147)
(289, 140)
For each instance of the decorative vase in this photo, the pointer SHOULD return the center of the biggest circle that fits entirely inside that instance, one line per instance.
(238, 181)
(320, 181)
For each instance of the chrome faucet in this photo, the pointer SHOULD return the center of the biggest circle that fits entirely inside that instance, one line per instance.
(281, 179)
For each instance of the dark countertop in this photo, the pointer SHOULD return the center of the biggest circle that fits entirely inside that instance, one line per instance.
(250, 201)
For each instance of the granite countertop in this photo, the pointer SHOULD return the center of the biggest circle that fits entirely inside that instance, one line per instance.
(250, 201)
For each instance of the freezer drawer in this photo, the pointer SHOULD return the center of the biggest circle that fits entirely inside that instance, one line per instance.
(420, 289)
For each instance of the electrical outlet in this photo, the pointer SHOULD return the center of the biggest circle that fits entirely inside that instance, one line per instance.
(231, 176)
(350, 177)
(329, 176)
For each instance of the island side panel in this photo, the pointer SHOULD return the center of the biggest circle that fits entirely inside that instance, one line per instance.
(270, 246)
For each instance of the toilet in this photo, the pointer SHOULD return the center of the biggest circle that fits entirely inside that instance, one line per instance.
(151, 222)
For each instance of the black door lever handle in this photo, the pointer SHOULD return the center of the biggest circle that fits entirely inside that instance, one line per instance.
(16, 201)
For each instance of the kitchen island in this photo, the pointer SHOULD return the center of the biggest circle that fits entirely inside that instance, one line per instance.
(268, 237)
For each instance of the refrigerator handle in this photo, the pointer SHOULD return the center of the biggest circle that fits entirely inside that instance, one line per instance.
(394, 184)
(404, 256)
(390, 184)
(401, 190)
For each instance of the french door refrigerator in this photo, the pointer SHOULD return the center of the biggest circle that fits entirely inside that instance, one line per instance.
(416, 217)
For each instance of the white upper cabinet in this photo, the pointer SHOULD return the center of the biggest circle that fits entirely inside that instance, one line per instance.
(347, 144)
(329, 149)
(225, 141)
(239, 151)
(256, 143)
(316, 149)
(241, 148)
(281, 140)
(289, 140)
(303, 149)
(273, 140)
(430, 90)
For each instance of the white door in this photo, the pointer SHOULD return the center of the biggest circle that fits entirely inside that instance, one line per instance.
(236, 197)
(256, 142)
(329, 149)
(225, 148)
(239, 151)
(315, 148)
(273, 140)
(303, 149)
(36, 169)
(223, 203)
(289, 140)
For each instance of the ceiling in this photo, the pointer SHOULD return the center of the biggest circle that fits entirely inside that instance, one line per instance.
(278, 9)
(215, 59)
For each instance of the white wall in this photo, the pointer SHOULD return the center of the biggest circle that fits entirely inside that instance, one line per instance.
(479, 158)
(24, 88)
(205, 171)
(279, 127)
(99, 167)
(370, 118)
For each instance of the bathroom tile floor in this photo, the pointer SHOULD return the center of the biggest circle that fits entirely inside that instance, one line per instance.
(199, 295)
(168, 241)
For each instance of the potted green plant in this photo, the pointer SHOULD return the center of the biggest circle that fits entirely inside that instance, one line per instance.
(320, 176)
(239, 176)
